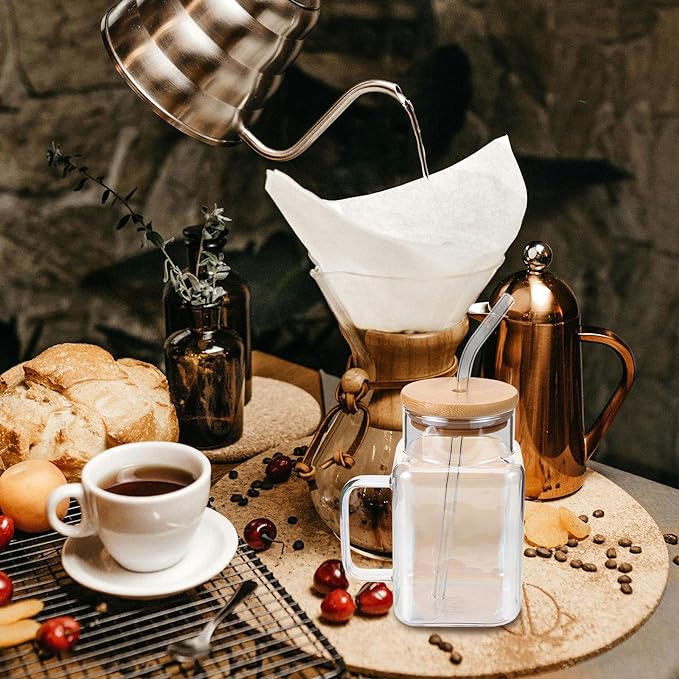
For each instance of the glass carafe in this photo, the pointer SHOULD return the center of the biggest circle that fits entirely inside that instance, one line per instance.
(361, 433)
(457, 507)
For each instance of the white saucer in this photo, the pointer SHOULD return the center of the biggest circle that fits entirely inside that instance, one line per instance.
(212, 547)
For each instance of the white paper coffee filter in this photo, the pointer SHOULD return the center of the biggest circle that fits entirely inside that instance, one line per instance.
(380, 302)
(479, 199)
(459, 222)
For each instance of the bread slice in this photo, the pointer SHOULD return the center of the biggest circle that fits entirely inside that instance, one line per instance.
(64, 365)
(38, 423)
(153, 384)
(13, 376)
(127, 414)
(74, 400)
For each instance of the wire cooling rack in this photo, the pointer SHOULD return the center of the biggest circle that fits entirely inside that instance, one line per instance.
(268, 635)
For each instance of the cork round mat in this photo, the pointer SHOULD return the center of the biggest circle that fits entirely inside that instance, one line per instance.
(277, 412)
(567, 614)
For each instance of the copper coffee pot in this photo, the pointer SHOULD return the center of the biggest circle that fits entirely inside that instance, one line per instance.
(209, 66)
(537, 349)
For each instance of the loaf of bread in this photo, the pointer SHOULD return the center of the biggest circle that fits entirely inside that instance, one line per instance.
(75, 400)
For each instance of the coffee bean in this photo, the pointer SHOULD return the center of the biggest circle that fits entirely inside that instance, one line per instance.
(589, 567)
(266, 485)
(544, 552)
(635, 549)
(576, 563)
(292, 520)
(624, 579)
(572, 542)
(256, 484)
(233, 474)
(625, 567)
(676, 560)
(435, 640)
(611, 553)
(598, 513)
(253, 492)
(626, 588)
(611, 563)
(236, 497)
(242, 502)
(560, 556)
(670, 538)
(529, 552)
(584, 518)
(562, 548)
(300, 450)
(266, 460)
(445, 646)
(297, 545)
(599, 539)
(278, 454)
(625, 542)
(455, 658)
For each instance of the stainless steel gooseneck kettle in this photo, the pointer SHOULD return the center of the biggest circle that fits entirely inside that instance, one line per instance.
(208, 66)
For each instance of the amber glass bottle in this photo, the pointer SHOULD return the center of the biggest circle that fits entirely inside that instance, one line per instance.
(236, 312)
(205, 373)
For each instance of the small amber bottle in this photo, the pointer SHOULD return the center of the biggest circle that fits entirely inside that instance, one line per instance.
(236, 311)
(204, 365)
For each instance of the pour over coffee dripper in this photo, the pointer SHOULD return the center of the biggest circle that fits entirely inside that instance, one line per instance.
(360, 434)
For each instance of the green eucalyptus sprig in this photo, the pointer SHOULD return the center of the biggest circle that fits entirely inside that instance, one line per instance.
(189, 285)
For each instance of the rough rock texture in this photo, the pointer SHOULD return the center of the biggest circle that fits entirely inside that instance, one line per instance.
(586, 90)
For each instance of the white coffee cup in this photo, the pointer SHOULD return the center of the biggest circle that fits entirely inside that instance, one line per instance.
(147, 533)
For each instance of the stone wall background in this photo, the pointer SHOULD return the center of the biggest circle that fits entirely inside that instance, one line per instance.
(588, 91)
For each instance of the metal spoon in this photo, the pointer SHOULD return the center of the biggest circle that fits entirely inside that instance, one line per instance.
(198, 647)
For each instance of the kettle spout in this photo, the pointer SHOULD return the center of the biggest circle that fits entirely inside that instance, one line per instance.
(328, 118)
(478, 311)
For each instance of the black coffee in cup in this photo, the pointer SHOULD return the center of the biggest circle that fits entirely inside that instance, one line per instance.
(145, 480)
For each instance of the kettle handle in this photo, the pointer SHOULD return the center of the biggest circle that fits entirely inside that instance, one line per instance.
(603, 422)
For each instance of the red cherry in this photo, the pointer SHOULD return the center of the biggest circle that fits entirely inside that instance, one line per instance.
(279, 469)
(6, 589)
(374, 598)
(59, 634)
(260, 533)
(6, 530)
(330, 575)
(338, 606)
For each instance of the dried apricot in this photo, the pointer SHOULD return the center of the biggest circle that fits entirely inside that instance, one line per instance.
(571, 523)
(543, 527)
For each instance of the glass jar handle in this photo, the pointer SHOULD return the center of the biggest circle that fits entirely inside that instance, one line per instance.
(367, 574)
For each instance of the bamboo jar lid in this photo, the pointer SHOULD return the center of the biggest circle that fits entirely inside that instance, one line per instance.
(437, 397)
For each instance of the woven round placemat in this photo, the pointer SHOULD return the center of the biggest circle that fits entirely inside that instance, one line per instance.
(277, 412)
(567, 614)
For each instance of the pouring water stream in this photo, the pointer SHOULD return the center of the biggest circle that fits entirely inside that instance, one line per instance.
(476, 341)
(421, 152)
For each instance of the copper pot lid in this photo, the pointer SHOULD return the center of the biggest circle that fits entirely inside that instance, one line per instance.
(539, 296)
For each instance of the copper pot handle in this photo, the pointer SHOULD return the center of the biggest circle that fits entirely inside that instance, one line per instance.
(603, 422)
